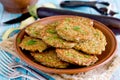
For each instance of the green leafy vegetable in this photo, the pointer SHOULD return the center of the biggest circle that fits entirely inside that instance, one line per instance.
(76, 28)
(87, 56)
(51, 31)
(18, 40)
(31, 42)
(68, 19)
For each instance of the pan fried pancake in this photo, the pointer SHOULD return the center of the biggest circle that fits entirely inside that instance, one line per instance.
(93, 46)
(75, 29)
(34, 30)
(50, 59)
(75, 57)
(32, 44)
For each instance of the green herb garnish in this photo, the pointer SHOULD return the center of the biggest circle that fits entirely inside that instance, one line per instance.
(68, 19)
(66, 28)
(87, 56)
(69, 54)
(96, 34)
(18, 40)
(76, 28)
(39, 56)
(31, 42)
(51, 31)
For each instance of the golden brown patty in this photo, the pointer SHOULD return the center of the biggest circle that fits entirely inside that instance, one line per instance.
(50, 36)
(32, 44)
(75, 29)
(50, 59)
(74, 57)
(93, 46)
(34, 30)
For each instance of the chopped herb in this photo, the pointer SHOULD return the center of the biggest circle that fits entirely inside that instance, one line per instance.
(51, 31)
(18, 40)
(69, 54)
(55, 37)
(61, 41)
(50, 38)
(35, 33)
(76, 28)
(79, 57)
(96, 34)
(83, 32)
(68, 19)
(55, 23)
(66, 28)
(47, 60)
(39, 56)
(31, 42)
(87, 56)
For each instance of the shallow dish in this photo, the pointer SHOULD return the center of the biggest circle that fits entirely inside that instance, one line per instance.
(103, 58)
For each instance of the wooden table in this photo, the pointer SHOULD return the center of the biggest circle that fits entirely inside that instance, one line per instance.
(4, 16)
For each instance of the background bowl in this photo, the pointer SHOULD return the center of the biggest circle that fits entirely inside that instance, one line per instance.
(103, 58)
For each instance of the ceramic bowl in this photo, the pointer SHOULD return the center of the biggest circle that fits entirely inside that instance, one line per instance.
(105, 57)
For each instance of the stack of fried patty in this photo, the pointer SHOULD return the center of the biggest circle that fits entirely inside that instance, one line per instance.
(59, 44)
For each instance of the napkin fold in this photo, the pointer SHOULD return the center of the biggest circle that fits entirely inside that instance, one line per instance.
(103, 72)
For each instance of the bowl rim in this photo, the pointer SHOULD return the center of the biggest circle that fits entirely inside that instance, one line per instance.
(68, 71)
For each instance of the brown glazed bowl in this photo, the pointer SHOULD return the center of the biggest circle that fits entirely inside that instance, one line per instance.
(17, 6)
(105, 57)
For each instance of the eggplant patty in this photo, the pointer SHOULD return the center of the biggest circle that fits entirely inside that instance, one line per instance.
(94, 46)
(75, 57)
(32, 44)
(50, 59)
(34, 30)
(75, 29)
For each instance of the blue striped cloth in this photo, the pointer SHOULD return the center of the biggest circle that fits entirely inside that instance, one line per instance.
(4, 16)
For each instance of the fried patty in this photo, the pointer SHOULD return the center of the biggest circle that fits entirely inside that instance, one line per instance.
(50, 59)
(93, 46)
(34, 30)
(50, 36)
(74, 57)
(75, 29)
(32, 44)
